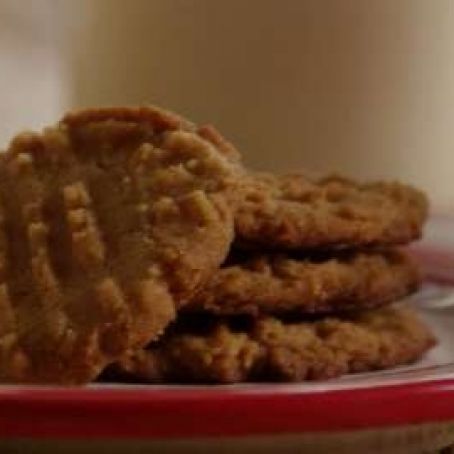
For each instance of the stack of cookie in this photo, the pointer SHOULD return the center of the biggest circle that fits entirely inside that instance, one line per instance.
(308, 291)
(133, 239)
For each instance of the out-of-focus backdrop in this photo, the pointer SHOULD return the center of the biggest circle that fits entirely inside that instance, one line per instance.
(361, 87)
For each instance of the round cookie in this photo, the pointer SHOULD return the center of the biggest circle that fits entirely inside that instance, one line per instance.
(110, 220)
(279, 284)
(273, 350)
(294, 212)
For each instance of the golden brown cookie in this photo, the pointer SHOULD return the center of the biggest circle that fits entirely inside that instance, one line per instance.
(279, 284)
(294, 212)
(273, 350)
(110, 220)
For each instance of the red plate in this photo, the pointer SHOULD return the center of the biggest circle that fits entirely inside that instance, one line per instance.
(421, 393)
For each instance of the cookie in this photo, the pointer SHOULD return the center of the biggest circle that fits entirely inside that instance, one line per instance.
(294, 212)
(279, 284)
(110, 221)
(272, 350)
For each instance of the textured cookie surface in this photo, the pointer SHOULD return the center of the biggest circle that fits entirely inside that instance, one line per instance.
(109, 221)
(273, 350)
(293, 212)
(275, 284)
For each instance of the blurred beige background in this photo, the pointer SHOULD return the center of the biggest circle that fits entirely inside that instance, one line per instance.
(363, 87)
(34, 82)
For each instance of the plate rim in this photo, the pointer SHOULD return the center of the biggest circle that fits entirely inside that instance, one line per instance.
(72, 413)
